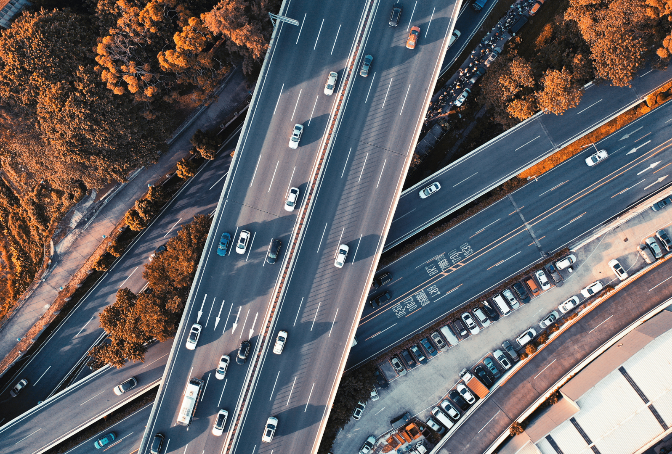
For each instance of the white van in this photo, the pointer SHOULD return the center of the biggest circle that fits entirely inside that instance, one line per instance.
(501, 305)
(449, 335)
(442, 418)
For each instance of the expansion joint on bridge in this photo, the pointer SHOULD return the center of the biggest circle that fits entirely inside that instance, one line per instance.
(528, 227)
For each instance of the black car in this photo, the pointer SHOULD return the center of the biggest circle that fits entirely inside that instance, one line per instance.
(459, 400)
(492, 313)
(408, 359)
(484, 376)
(490, 364)
(417, 352)
(665, 239)
(659, 205)
(273, 251)
(380, 299)
(395, 16)
(157, 443)
(522, 294)
(428, 346)
(381, 280)
(459, 326)
(382, 383)
(243, 352)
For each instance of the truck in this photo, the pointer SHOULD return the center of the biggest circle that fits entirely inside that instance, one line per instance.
(478, 4)
(474, 384)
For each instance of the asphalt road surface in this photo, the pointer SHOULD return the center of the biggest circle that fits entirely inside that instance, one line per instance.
(512, 152)
(352, 203)
(511, 235)
(509, 401)
(87, 400)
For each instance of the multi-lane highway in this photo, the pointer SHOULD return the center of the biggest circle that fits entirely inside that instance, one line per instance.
(352, 199)
(511, 235)
(510, 153)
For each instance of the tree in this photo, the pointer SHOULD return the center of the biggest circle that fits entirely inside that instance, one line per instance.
(134, 220)
(206, 143)
(560, 92)
(186, 168)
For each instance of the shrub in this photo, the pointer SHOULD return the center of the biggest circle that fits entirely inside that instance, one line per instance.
(530, 349)
(516, 429)
(543, 337)
(523, 356)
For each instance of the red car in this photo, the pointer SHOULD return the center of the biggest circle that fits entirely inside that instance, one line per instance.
(412, 38)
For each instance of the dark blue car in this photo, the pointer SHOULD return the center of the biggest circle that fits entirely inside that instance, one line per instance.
(224, 243)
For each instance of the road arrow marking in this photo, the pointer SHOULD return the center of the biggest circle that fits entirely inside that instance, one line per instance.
(252, 327)
(630, 133)
(235, 324)
(651, 166)
(656, 182)
(200, 313)
(220, 313)
(637, 148)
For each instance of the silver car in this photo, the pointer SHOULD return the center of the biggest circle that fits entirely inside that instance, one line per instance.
(548, 320)
(543, 280)
(471, 324)
(653, 245)
(482, 319)
(366, 66)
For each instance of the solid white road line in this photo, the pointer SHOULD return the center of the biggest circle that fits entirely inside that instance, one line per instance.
(367, 93)
(334, 45)
(253, 323)
(404, 103)
(386, 93)
(297, 103)
(430, 22)
(304, 19)
(157, 359)
(250, 247)
(309, 396)
(298, 312)
(276, 382)
(412, 12)
(321, 238)
(381, 172)
(83, 327)
(313, 111)
(290, 392)
(171, 229)
(318, 34)
(129, 276)
(273, 177)
(346, 162)
(315, 318)
(333, 322)
(278, 101)
(41, 376)
(233, 240)
(363, 165)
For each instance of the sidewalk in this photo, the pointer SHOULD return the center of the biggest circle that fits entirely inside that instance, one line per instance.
(426, 386)
(76, 247)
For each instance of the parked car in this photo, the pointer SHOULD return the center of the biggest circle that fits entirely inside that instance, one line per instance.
(380, 379)
(566, 262)
(450, 409)
(429, 190)
(653, 245)
(438, 340)
(331, 83)
(459, 326)
(568, 305)
(536, 7)
(484, 376)
(366, 66)
(18, 387)
(490, 364)
(526, 337)
(292, 197)
(368, 444)
(465, 393)
(664, 239)
(125, 386)
(428, 346)
(506, 345)
(296, 136)
(243, 239)
(395, 16)
(104, 441)
(618, 269)
(435, 426)
(597, 157)
(381, 280)
(194, 334)
(548, 320)
(398, 365)
(224, 242)
(462, 97)
(492, 313)
(374, 394)
(543, 280)
(491, 58)
(502, 359)
(417, 352)
(646, 253)
(508, 295)
(457, 398)
(222, 367)
(243, 352)
(482, 319)
(410, 362)
(412, 37)
(521, 293)
(359, 409)
(592, 289)
(659, 205)
(553, 271)
(471, 324)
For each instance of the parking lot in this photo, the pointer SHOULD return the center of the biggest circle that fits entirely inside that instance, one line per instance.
(426, 385)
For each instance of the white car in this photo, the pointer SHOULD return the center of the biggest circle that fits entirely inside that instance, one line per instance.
(280, 342)
(565, 262)
(502, 359)
(223, 365)
(471, 324)
(618, 269)
(464, 391)
(296, 136)
(550, 318)
(269, 430)
(194, 334)
(463, 97)
(292, 197)
(456, 34)
(596, 158)
(448, 408)
(220, 422)
(482, 318)
(429, 190)
(243, 239)
(368, 444)
(342, 255)
(569, 304)
(592, 289)
(359, 409)
(543, 280)
(374, 394)
(331, 83)
(526, 337)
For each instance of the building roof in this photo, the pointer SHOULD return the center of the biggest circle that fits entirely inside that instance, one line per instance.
(554, 415)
